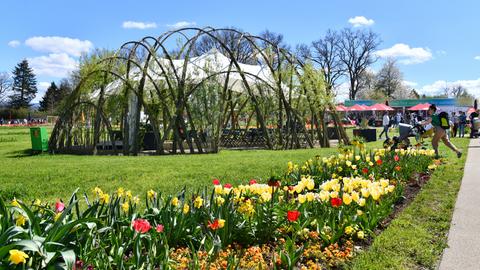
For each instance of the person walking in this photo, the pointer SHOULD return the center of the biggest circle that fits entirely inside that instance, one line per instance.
(462, 122)
(440, 124)
(456, 122)
(386, 125)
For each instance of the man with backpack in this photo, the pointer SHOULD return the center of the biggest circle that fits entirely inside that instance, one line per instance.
(440, 123)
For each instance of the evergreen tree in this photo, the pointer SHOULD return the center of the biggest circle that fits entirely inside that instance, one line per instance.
(24, 86)
(48, 102)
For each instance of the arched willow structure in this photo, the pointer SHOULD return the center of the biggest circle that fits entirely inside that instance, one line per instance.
(194, 98)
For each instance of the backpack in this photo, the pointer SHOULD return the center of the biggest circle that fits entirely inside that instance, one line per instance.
(444, 121)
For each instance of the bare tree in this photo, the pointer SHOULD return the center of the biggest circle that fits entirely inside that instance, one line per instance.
(232, 39)
(356, 52)
(390, 80)
(5, 84)
(326, 53)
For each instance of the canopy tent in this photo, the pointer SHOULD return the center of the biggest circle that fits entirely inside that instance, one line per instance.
(380, 107)
(199, 69)
(341, 108)
(358, 108)
(470, 110)
(420, 107)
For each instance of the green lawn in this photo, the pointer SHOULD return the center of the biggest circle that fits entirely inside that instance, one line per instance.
(53, 176)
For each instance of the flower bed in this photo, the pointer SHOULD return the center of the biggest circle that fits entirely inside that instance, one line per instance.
(310, 217)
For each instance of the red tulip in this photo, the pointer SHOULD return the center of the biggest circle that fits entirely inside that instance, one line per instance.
(336, 202)
(253, 182)
(227, 185)
(59, 206)
(216, 182)
(365, 170)
(292, 216)
(214, 225)
(141, 225)
(379, 162)
(396, 158)
(159, 228)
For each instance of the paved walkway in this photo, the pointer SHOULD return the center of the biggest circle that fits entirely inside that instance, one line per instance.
(463, 250)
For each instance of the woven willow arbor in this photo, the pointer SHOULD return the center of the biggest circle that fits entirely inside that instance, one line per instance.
(193, 97)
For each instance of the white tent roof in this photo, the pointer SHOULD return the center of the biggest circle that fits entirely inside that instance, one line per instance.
(198, 69)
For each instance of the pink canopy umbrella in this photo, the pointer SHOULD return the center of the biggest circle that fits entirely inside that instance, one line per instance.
(341, 108)
(381, 107)
(357, 108)
(420, 107)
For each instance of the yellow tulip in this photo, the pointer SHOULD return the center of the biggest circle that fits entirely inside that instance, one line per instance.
(221, 223)
(302, 198)
(360, 234)
(361, 202)
(347, 199)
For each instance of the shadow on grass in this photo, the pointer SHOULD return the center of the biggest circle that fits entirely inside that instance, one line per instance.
(24, 153)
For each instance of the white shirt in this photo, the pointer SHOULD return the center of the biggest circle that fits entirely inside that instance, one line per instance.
(386, 120)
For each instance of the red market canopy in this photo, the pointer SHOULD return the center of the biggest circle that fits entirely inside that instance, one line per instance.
(358, 108)
(341, 108)
(380, 107)
(420, 107)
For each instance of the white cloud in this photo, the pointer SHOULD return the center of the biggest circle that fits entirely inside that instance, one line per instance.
(405, 54)
(138, 25)
(360, 21)
(181, 24)
(42, 88)
(59, 45)
(57, 65)
(14, 43)
(477, 57)
(436, 88)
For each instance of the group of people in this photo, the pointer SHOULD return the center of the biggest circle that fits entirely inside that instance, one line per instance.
(434, 120)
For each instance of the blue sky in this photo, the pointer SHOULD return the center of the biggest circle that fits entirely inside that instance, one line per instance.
(435, 42)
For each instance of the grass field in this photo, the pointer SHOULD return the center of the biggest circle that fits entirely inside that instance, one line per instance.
(53, 176)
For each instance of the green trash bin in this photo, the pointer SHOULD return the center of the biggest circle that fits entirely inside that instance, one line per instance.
(39, 138)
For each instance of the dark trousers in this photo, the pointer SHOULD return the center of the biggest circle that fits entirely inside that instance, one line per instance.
(385, 130)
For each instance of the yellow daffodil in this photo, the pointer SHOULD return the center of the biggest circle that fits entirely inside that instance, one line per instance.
(104, 198)
(37, 203)
(20, 220)
(17, 256)
(219, 200)
(349, 230)
(151, 194)
(57, 216)
(120, 192)
(136, 200)
(186, 208)
(198, 202)
(15, 203)
(125, 207)
(128, 193)
(174, 201)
